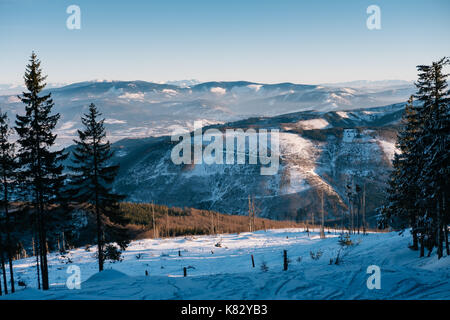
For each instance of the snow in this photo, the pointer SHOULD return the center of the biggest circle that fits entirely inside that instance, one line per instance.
(313, 124)
(334, 98)
(218, 90)
(389, 148)
(226, 272)
(342, 114)
(139, 96)
(170, 91)
(255, 87)
(299, 158)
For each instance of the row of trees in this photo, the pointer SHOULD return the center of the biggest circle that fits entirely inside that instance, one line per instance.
(419, 183)
(357, 207)
(36, 190)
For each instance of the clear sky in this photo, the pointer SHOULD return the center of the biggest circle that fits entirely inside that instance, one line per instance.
(257, 40)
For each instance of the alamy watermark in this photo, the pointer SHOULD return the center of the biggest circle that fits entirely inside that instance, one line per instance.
(374, 20)
(374, 281)
(239, 146)
(74, 280)
(73, 22)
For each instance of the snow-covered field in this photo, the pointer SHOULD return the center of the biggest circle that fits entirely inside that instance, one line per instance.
(226, 272)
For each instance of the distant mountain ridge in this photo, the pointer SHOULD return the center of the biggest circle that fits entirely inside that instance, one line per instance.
(142, 109)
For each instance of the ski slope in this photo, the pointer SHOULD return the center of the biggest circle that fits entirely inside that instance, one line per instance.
(226, 272)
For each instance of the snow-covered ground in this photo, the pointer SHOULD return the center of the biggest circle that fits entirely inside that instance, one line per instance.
(226, 272)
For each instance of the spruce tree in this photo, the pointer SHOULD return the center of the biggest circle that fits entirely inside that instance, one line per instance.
(435, 143)
(40, 173)
(2, 262)
(402, 211)
(8, 167)
(92, 177)
(418, 186)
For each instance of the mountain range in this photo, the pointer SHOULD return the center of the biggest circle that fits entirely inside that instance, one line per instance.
(330, 136)
(141, 109)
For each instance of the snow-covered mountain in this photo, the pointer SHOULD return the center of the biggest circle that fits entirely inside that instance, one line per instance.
(319, 151)
(142, 109)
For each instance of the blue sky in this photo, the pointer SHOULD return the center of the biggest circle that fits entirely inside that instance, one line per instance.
(264, 41)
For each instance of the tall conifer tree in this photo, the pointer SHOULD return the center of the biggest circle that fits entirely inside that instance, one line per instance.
(403, 191)
(434, 140)
(92, 177)
(8, 167)
(418, 190)
(40, 171)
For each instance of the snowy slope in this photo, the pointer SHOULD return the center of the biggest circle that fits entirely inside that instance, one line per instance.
(226, 272)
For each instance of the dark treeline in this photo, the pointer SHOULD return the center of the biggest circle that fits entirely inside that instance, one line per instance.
(39, 200)
(419, 184)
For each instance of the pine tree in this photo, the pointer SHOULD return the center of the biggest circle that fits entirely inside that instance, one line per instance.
(435, 143)
(40, 173)
(411, 162)
(92, 177)
(8, 167)
(403, 191)
(322, 222)
(418, 186)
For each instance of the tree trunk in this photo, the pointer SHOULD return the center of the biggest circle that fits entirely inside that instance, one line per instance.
(446, 220)
(322, 224)
(446, 239)
(364, 209)
(99, 239)
(167, 223)
(8, 239)
(43, 258)
(11, 273)
(353, 219)
(415, 245)
(153, 221)
(439, 245)
(43, 246)
(422, 246)
(439, 235)
(430, 244)
(357, 217)
(5, 283)
(35, 246)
